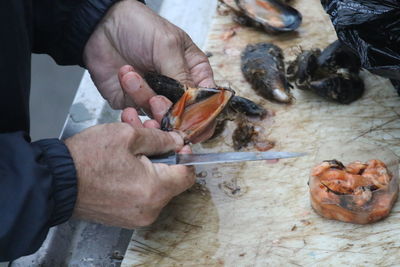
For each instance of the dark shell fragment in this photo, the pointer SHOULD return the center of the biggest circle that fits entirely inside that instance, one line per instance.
(332, 73)
(262, 65)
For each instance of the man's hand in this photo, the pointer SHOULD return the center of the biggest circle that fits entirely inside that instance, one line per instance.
(117, 183)
(133, 36)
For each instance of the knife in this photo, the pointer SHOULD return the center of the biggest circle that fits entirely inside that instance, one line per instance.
(225, 157)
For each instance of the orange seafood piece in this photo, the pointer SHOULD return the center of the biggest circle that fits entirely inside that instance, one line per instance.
(358, 193)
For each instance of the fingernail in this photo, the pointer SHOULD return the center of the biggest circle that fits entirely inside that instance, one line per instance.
(185, 150)
(177, 138)
(133, 82)
(125, 69)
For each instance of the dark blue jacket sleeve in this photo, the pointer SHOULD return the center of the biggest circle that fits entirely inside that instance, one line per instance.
(38, 190)
(61, 28)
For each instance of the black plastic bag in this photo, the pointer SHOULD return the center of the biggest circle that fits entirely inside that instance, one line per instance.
(371, 28)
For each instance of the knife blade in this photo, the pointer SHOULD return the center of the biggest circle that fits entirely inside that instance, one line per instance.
(225, 157)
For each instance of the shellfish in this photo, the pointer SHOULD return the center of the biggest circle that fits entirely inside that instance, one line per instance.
(270, 15)
(196, 110)
(247, 107)
(358, 193)
(263, 67)
(332, 73)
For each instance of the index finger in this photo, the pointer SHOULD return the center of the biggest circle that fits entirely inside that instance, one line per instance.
(150, 141)
(135, 87)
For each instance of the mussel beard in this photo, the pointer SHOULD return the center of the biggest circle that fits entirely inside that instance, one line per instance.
(195, 112)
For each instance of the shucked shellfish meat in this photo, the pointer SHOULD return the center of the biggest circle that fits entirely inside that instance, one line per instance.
(360, 192)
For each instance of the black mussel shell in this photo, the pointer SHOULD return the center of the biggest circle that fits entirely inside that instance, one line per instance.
(303, 67)
(247, 107)
(263, 67)
(166, 86)
(336, 56)
(271, 15)
(340, 88)
(332, 73)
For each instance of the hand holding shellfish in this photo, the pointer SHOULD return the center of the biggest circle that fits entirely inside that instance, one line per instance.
(135, 40)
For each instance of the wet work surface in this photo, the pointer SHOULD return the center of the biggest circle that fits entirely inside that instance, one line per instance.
(259, 213)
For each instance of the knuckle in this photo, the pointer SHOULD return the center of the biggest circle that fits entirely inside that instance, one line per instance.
(134, 134)
(125, 128)
(126, 131)
(128, 135)
(171, 40)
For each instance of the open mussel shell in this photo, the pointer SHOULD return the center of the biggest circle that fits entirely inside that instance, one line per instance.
(196, 111)
(272, 15)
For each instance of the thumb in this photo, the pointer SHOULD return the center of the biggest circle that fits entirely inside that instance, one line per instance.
(172, 62)
(177, 177)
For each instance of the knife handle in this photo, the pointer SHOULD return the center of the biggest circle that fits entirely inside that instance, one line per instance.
(170, 159)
